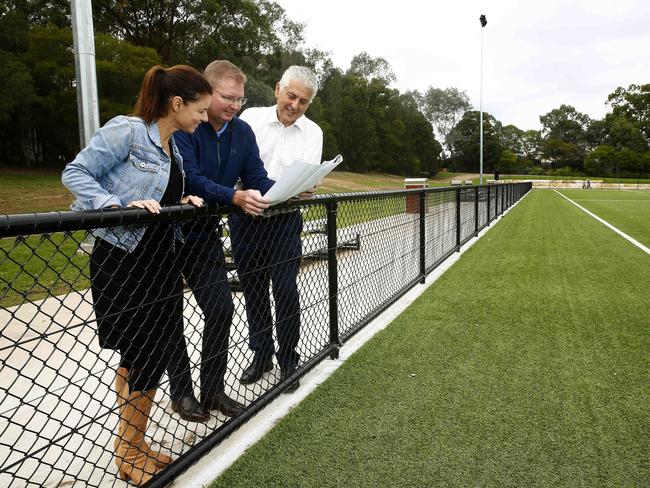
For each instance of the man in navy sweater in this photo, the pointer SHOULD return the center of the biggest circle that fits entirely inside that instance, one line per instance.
(218, 154)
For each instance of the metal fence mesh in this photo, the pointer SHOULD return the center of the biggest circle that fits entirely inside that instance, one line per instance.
(353, 255)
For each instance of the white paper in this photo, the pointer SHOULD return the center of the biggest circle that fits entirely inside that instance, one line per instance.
(300, 176)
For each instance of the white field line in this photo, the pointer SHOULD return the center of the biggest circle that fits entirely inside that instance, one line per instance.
(210, 466)
(605, 200)
(604, 222)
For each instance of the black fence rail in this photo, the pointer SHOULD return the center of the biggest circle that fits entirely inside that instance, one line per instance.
(59, 411)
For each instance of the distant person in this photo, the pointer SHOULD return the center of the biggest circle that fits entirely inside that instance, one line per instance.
(220, 152)
(268, 250)
(135, 279)
(496, 176)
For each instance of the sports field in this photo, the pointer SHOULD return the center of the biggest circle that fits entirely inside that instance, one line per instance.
(526, 364)
(629, 210)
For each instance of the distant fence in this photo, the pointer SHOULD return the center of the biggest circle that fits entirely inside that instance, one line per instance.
(58, 415)
(590, 184)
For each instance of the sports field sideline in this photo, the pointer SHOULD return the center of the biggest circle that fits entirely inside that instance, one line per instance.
(525, 364)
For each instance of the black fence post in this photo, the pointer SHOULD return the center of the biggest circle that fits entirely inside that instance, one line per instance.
(332, 273)
(458, 219)
(497, 200)
(423, 265)
(489, 202)
(476, 211)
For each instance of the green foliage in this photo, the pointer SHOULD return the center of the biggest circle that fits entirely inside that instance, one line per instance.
(365, 66)
(120, 68)
(565, 123)
(443, 109)
(633, 104)
(507, 163)
(259, 94)
(15, 81)
(464, 142)
(606, 160)
(562, 153)
(373, 126)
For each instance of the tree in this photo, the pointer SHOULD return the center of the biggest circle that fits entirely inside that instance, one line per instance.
(565, 123)
(507, 163)
(565, 136)
(622, 132)
(368, 68)
(563, 154)
(464, 142)
(443, 109)
(511, 138)
(633, 104)
(120, 69)
(596, 133)
(198, 31)
(531, 146)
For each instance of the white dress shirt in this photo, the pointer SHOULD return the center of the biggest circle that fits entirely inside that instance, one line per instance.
(280, 145)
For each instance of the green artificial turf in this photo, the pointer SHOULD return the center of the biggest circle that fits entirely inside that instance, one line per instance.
(627, 210)
(532, 370)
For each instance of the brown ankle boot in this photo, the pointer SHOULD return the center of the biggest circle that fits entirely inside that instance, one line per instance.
(133, 462)
(122, 392)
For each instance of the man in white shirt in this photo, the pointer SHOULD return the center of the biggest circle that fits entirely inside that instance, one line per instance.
(268, 250)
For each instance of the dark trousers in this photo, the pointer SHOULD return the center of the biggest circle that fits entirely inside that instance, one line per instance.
(267, 251)
(138, 303)
(204, 269)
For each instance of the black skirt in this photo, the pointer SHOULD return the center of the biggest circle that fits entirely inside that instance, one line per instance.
(138, 295)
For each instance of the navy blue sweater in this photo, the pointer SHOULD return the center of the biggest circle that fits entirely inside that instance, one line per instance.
(213, 164)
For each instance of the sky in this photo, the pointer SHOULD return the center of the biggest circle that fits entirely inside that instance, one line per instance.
(536, 55)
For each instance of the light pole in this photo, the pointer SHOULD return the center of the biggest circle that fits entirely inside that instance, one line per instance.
(84, 56)
(483, 24)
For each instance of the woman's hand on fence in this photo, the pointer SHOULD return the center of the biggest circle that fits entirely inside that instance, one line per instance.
(150, 205)
(194, 200)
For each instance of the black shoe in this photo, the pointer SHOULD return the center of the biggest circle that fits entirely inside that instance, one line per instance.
(285, 373)
(190, 409)
(255, 370)
(224, 404)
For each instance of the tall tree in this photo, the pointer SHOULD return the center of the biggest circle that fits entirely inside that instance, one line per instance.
(565, 123)
(511, 138)
(444, 109)
(565, 137)
(368, 68)
(531, 145)
(633, 103)
(198, 31)
(464, 142)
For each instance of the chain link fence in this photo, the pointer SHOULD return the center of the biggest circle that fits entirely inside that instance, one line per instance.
(189, 318)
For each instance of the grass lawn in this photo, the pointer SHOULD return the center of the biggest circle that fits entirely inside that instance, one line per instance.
(23, 191)
(533, 371)
(627, 210)
(41, 266)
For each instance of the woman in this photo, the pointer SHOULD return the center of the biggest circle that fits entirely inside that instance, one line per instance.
(135, 281)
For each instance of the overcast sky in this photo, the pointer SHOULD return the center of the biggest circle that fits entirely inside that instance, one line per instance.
(536, 55)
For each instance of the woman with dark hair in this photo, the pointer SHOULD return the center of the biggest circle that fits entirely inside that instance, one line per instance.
(135, 282)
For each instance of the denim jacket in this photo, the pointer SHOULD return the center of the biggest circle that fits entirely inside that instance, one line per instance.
(123, 162)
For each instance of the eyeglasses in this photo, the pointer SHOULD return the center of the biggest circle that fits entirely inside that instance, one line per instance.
(232, 101)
